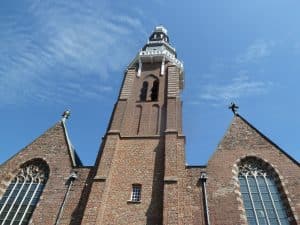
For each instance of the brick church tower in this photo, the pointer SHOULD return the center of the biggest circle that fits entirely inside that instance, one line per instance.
(140, 176)
(143, 150)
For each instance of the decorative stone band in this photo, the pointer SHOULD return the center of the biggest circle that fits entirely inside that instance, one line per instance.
(157, 55)
(162, 42)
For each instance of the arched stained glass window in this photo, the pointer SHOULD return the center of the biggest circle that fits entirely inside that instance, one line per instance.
(262, 199)
(19, 200)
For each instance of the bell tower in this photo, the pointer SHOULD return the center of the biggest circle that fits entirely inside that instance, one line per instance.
(141, 159)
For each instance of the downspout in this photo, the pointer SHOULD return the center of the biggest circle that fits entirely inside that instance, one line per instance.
(203, 179)
(71, 179)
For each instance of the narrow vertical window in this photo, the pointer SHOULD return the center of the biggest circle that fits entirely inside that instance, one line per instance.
(154, 122)
(261, 197)
(22, 195)
(138, 118)
(154, 91)
(144, 90)
(136, 193)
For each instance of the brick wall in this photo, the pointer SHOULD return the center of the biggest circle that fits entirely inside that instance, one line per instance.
(52, 148)
(240, 141)
(192, 197)
(134, 152)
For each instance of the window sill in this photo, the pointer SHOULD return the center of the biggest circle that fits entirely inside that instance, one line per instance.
(133, 202)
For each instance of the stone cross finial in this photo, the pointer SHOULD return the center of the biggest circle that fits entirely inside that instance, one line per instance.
(66, 114)
(233, 107)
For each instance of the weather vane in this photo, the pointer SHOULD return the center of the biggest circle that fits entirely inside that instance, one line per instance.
(233, 107)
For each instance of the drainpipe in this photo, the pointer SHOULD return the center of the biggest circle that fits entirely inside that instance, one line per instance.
(72, 177)
(203, 179)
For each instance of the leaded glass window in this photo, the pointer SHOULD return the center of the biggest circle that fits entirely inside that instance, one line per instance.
(136, 192)
(22, 195)
(262, 199)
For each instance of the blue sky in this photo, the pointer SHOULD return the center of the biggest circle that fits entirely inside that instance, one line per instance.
(71, 54)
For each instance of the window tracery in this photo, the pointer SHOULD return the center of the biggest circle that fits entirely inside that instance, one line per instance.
(22, 195)
(261, 197)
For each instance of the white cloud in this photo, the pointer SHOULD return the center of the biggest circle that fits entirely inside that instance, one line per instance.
(258, 50)
(238, 87)
(218, 88)
(55, 49)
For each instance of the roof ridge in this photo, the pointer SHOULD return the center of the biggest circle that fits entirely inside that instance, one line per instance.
(267, 138)
(74, 157)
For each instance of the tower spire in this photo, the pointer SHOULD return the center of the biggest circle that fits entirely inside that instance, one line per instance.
(146, 130)
(158, 50)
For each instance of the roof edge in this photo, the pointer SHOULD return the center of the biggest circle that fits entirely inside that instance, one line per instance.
(268, 139)
(76, 162)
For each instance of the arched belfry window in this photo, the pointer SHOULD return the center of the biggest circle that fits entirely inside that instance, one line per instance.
(262, 199)
(23, 193)
(154, 90)
(150, 89)
(144, 90)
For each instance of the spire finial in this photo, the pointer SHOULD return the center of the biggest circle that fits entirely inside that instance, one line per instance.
(233, 108)
(161, 28)
(66, 114)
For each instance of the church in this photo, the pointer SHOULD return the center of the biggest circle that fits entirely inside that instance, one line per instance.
(140, 175)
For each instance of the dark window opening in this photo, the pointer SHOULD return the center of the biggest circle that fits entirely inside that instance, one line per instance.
(143, 95)
(154, 91)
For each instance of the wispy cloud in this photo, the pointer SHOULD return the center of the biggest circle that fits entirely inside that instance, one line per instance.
(236, 77)
(256, 51)
(236, 88)
(56, 49)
